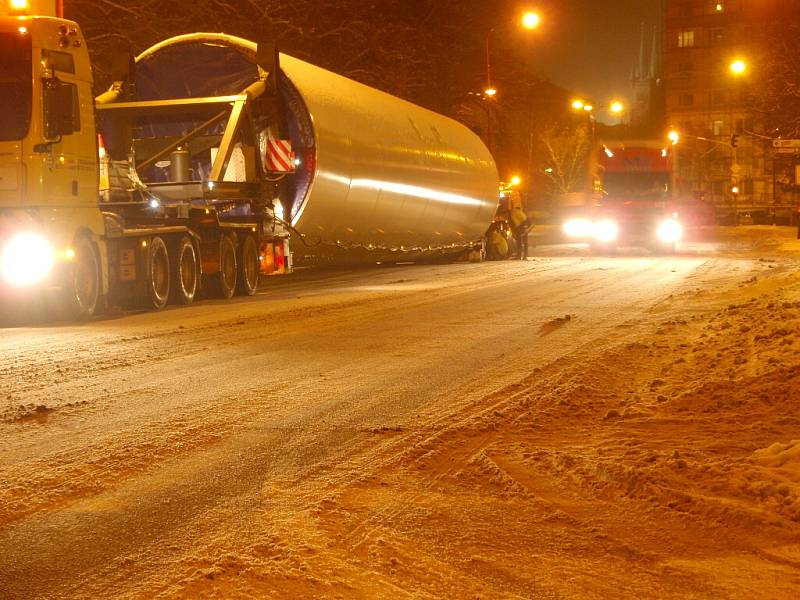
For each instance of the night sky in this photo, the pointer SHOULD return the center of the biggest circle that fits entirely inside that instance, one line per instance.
(590, 46)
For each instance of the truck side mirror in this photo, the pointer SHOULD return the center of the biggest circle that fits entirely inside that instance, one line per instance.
(61, 109)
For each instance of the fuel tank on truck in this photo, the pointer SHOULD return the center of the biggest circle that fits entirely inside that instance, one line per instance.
(373, 171)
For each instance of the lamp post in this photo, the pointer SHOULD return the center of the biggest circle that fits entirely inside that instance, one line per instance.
(530, 20)
(579, 105)
(587, 107)
(738, 69)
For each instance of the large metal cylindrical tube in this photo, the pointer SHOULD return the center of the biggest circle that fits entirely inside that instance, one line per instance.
(374, 171)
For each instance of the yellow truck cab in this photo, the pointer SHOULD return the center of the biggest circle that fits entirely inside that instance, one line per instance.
(50, 225)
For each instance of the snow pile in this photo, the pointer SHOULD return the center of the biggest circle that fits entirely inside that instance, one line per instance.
(664, 463)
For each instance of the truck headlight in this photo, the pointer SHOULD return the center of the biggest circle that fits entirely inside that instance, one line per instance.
(670, 231)
(578, 228)
(605, 231)
(27, 259)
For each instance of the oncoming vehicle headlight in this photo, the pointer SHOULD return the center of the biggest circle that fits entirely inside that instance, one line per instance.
(605, 231)
(578, 228)
(27, 259)
(670, 231)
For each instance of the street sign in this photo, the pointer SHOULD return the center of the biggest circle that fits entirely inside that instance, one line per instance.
(786, 143)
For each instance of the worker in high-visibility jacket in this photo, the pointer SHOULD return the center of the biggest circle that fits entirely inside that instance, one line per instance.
(519, 228)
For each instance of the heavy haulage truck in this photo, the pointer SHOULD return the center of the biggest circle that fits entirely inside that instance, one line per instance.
(633, 204)
(203, 160)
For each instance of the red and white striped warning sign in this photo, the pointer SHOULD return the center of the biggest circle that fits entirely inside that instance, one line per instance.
(280, 157)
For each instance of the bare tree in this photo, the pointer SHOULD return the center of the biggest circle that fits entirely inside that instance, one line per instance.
(411, 52)
(777, 97)
(566, 148)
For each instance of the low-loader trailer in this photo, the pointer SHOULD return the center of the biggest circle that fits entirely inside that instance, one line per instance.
(201, 163)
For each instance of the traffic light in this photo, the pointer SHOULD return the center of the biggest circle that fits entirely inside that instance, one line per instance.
(734, 140)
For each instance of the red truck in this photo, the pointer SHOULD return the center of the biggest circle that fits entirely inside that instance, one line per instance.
(632, 204)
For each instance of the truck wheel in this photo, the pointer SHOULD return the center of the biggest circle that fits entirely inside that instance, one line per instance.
(226, 279)
(185, 272)
(248, 267)
(81, 292)
(158, 278)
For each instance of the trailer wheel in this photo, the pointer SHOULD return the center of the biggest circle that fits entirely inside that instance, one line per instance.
(496, 245)
(248, 267)
(226, 279)
(81, 293)
(185, 272)
(158, 277)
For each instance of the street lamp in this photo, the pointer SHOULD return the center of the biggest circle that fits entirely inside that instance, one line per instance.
(530, 20)
(674, 137)
(738, 67)
(584, 106)
(617, 107)
(579, 105)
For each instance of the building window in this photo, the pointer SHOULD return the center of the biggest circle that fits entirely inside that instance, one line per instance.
(716, 128)
(686, 39)
(717, 36)
(686, 99)
(718, 97)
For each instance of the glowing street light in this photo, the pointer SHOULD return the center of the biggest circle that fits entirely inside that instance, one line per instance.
(588, 107)
(531, 20)
(674, 137)
(617, 107)
(577, 104)
(516, 180)
(738, 67)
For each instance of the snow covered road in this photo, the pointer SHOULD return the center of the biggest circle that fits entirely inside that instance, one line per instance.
(415, 431)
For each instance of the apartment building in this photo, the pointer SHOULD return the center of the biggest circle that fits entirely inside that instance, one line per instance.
(711, 57)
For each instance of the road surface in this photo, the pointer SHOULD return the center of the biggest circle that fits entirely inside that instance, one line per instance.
(414, 431)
